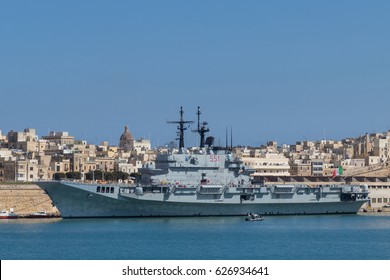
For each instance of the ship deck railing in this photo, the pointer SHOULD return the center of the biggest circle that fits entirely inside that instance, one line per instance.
(97, 182)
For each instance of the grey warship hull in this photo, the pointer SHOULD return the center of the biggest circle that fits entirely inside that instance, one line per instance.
(75, 200)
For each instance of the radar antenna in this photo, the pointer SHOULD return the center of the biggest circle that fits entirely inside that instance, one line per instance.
(181, 128)
(231, 139)
(202, 129)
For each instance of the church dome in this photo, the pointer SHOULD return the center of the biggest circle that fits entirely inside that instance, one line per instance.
(126, 135)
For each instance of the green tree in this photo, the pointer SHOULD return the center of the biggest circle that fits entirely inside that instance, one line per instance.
(91, 175)
(73, 175)
(59, 176)
(119, 175)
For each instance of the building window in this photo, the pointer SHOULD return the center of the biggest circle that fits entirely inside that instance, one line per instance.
(112, 189)
(385, 200)
(373, 200)
(31, 168)
(98, 189)
(379, 200)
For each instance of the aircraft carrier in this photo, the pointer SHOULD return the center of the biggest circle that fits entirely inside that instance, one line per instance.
(208, 181)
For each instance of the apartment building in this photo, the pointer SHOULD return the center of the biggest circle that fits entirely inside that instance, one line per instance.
(300, 168)
(266, 163)
(61, 138)
(26, 140)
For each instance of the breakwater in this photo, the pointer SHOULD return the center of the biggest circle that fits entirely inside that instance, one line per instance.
(26, 199)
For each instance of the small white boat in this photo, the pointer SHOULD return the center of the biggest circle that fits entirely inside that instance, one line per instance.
(39, 214)
(8, 214)
(254, 217)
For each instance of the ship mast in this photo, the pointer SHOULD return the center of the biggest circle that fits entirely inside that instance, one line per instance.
(181, 129)
(202, 129)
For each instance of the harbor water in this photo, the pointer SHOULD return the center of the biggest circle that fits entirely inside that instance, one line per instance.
(324, 237)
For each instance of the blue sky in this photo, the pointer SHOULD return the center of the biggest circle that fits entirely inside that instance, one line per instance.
(272, 70)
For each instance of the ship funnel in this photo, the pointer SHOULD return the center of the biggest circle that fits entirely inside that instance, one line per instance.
(209, 141)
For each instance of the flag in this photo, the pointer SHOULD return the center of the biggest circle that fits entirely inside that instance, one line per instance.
(337, 172)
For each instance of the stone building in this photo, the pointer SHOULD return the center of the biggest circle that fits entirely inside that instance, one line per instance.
(300, 168)
(61, 138)
(317, 167)
(26, 141)
(105, 164)
(27, 170)
(3, 138)
(267, 163)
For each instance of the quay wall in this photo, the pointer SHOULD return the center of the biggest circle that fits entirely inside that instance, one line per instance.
(25, 199)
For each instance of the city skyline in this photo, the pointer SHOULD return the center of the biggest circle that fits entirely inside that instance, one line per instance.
(189, 131)
(285, 71)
